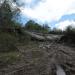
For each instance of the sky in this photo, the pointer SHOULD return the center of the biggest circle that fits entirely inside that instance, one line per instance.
(55, 13)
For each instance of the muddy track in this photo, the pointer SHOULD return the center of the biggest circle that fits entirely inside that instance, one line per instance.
(51, 54)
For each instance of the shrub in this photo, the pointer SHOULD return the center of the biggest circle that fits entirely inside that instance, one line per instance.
(69, 35)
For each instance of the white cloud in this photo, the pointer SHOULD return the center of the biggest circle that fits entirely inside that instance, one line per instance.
(25, 1)
(28, 1)
(63, 25)
(49, 10)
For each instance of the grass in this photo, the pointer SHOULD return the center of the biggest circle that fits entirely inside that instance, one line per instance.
(8, 58)
(7, 42)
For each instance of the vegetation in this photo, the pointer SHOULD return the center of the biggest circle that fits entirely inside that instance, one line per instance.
(69, 35)
(56, 31)
(9, 32)
(8, 58)
(32, 26)
(6, 15)
(7, 42)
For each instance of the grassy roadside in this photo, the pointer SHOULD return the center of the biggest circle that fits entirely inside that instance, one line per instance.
(8, 50)
(8, 58)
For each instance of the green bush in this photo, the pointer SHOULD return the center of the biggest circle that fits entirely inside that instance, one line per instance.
(7, 42)
(69, 35)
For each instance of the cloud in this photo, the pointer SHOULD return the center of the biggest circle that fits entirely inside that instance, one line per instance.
(28, 1)
(62, 25)
(48, 10)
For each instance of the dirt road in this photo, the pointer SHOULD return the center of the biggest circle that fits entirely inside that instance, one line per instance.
(41, 59)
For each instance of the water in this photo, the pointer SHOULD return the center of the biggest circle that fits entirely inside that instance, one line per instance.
(60, 71)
